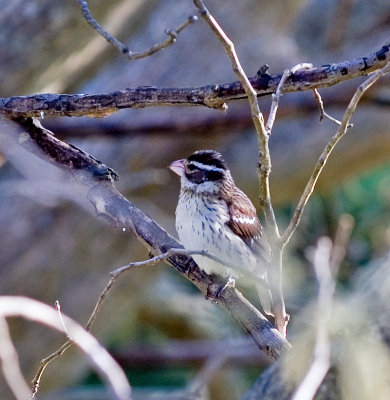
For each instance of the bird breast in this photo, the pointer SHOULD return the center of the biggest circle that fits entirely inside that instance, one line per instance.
(201, 223)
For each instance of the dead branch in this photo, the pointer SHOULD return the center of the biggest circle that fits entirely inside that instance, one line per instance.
(213, 96)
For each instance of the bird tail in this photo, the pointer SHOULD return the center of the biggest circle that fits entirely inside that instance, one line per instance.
(265, 299)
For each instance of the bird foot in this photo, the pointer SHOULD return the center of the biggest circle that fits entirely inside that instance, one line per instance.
(215, 291)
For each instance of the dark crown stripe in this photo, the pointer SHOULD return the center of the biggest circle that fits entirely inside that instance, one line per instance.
(208, 158)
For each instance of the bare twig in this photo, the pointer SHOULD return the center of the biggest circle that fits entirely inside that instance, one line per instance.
(275, 101)
(163, 257)
(10, 364)
(172, 35)
(187, 252)
(36, 381)
(323, 113)
(276, 96)
(328, 150)
(58, 308)
(14, 306)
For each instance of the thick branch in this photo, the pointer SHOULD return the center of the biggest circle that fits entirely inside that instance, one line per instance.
(212, 96)
(121, 213)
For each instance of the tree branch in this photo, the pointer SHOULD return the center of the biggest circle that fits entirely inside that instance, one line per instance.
(212, 96)
(111, 206)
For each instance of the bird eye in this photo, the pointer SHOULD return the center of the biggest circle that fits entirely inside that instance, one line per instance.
(191, 167)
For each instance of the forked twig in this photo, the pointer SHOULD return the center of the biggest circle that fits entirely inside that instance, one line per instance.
(323, 113)
(172, 35)
(328, 150)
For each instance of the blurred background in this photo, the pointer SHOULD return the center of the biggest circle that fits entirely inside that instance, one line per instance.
(154, 322)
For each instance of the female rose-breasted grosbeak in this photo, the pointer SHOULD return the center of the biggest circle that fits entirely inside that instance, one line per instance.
(214, 215)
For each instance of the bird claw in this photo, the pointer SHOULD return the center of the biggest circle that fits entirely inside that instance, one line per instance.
(215, 291)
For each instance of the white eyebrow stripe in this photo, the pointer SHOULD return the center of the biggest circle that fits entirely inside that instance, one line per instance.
(206, 167)
(244, 220)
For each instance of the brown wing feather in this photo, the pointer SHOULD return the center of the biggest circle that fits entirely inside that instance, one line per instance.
(245, 223)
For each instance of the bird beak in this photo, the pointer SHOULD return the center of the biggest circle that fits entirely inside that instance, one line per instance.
(177, 167)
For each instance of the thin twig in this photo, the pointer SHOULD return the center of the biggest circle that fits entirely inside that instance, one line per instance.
(328, 150)
(276, 96)
(47, 360)
(187, 252)
(58, 308)
(36, 381)
(323, 113)
(172, 35)
(275, 101)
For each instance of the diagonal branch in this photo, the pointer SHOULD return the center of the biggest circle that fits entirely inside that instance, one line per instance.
(111, 206)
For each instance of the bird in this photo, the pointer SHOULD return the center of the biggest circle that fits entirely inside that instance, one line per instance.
(215, 216)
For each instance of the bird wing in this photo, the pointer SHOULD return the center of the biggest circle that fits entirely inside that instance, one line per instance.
(245, 223)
